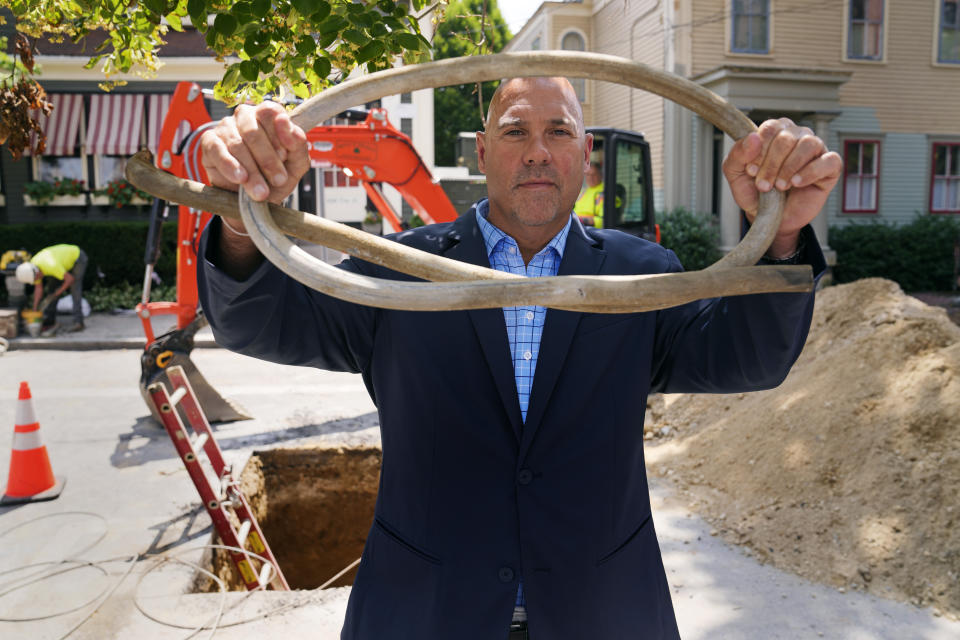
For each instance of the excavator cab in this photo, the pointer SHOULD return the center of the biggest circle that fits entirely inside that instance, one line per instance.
(627, 184)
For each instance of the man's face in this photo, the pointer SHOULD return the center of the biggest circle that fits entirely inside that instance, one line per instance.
(534, 154)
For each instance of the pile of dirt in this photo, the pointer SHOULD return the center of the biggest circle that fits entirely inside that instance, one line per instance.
(847, 473)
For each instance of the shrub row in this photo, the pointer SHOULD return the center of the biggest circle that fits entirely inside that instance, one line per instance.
(115, 249)
(918, 256)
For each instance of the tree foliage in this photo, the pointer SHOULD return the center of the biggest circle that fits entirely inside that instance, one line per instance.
(468, 27)
(268, 46)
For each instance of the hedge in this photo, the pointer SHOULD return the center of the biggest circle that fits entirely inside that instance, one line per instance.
(115, 249)
(918, 256)
(692, 236)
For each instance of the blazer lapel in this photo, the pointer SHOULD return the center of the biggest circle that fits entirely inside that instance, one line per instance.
(468, 246)
(581, 256)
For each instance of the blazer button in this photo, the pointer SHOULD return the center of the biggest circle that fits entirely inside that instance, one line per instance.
(506, 574)
(525, 476)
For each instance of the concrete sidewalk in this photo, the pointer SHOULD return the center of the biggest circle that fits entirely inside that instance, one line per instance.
(121, 330)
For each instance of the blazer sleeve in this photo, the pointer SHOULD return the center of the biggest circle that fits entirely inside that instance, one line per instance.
(272, 317)
(733, 344)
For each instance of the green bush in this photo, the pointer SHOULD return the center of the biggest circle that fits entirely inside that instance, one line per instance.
(918, 256)
(115, 249)
(693, 237)
(125, 296)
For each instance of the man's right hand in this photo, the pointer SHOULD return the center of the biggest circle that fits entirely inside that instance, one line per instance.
(258, 148)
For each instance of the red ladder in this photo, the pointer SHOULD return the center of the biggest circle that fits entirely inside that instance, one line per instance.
(227, 496)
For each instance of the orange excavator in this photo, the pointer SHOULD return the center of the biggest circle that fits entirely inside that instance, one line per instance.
(373, 152)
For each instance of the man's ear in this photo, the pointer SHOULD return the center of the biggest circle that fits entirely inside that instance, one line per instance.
(481, 152)
(587, 149)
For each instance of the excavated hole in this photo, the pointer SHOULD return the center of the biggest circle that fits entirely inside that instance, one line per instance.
(314, 505)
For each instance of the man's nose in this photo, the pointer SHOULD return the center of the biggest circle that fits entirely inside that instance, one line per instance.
(537, 151)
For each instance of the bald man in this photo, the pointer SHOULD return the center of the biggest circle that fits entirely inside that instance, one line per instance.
(513, 500)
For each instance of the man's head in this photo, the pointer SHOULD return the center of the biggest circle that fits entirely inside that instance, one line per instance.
(534, 153)
(594, 174)
(27, 273)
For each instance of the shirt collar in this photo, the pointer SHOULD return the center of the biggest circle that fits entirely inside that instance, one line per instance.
(493, 236)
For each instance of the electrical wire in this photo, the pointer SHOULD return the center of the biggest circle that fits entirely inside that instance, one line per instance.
(212, 623)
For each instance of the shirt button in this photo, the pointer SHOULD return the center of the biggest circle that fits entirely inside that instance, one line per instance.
(525, 476)
(527, 355)
(529, 315)
(505, 574)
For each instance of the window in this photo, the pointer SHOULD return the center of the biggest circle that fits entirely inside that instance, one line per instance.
(945, 179)
(406, 98)
(865, 31)
(862, 177)
(949, 42)
(406, 127)
(536, 44)
(751, 26)
(573, 41)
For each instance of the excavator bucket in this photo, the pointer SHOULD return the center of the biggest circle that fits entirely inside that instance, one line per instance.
(174, 348)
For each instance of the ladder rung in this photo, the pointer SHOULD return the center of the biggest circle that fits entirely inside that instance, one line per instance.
(199, 441)
(266, 572)
(244, 532)
(177, 396)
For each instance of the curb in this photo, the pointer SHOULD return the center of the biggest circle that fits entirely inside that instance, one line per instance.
(94, 344)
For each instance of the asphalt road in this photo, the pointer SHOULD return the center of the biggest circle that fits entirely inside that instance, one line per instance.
(127, 493)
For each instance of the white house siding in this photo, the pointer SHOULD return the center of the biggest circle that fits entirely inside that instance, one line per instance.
(634, 31)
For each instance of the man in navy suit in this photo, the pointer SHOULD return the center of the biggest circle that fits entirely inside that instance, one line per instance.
(513, 499)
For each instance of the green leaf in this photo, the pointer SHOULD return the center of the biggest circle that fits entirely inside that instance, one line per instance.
(175, 22)
(354, 8)
(322, 67)
(355, 36)
(211, 38)
(400, 10)
(321, 12)
(387, 6)
(225, 24)
(260, 8)
(301, 91)
(408, 41)
(394, 23)
(266, 66)
(361, 19)
(306, 46)
(369, 51)
(379, 30)
(306, 7)
(198, 11)
(333, 23)
(326, 40)
(156, 6)
(255, 43)
(250, 70)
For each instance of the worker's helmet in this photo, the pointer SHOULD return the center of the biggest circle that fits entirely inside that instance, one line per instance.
(26, 273)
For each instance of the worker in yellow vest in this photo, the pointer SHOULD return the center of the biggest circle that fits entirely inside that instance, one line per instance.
(590, 205)
(64, 262)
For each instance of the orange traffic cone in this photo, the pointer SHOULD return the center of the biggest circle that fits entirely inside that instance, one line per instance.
(31, 477)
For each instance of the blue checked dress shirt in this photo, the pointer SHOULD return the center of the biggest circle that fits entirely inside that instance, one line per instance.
(524, 324)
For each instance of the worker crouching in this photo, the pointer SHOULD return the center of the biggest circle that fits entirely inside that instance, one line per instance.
(66, 263)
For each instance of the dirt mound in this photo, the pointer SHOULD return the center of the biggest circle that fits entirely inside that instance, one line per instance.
(847, 473)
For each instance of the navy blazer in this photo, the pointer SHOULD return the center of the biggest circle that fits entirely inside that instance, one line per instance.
(471, 499)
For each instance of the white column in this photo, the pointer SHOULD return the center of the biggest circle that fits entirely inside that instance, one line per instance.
(729, 210)
(820, 224)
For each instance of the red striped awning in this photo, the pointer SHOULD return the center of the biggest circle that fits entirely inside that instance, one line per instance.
(158, 105)
(115, 123)
(62, 125)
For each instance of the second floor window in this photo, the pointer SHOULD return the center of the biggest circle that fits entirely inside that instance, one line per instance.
(750, 31)
(949, 44)
(573, 41)
(865, 33)
(861, 179)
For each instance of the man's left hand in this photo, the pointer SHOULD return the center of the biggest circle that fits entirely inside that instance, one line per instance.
(784, 156)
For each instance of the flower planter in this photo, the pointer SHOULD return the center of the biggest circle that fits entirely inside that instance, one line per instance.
(104, 201)
(58, 201)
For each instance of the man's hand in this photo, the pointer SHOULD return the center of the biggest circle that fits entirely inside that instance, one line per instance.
(784, 156)
(259, 148)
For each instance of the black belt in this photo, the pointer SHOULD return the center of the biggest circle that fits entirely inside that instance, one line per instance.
(519, 631)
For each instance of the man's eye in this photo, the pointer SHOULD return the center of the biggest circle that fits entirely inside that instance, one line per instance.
(561, 132)
(513, 132)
